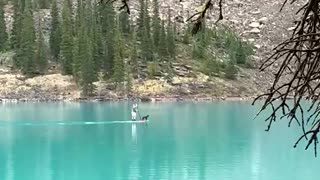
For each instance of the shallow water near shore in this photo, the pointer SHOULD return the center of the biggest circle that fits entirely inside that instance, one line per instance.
(208, 140)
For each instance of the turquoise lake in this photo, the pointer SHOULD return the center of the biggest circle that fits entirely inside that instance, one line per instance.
(220, 141)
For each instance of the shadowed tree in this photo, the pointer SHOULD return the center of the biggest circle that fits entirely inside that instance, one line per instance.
(3, 32)
(67, 39)
(55, 33)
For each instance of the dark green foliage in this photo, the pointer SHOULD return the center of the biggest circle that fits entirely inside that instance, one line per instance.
(26, 51)
(3, 32)
(163, 49)
(92, 42)
(118, 69)
(43, 4)
(107, 19)
(134, 56)
(67, 39)
(156, 26)
(84, 65)
(55, 33)
(124, 23)
(141, 20)
(88, 73)
(171, 40)
(41, 54)
(17, 27)
(145, 37)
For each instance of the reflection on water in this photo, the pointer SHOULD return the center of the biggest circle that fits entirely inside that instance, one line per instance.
(134, 133)
(182, 141)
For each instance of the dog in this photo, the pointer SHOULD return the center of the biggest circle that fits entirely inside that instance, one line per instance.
(145, 117)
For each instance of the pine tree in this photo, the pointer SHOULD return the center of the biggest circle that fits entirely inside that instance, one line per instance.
(107, 19)
(97, 41)
(40, 56)
(118, 75)
(88, 73)
(171, 38)
(17, 28)
(78, 50)
(124, 23)
(163, 49)
(3, 32)
(134, 55)
(26, 51)
(55, 33)
(156, 24)
(141, 21)
(67, 39)
(146, 42)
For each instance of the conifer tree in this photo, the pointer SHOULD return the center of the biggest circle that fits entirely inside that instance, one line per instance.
(146, 42)
(141, 21)
(3, 32)
(156, 24)
(107, 19)
(163, 49)
(67, 39)
(97, 41)
(40, 55)
(26, 51)
(124, 23)
(55, 33)
(88, 74)
(118, 71)
(17, 27)
(134, 55)
(171, 38)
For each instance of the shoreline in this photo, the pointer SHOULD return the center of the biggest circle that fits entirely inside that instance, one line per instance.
(119, 99)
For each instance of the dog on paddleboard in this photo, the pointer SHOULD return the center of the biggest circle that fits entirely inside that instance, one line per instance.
(145, 117)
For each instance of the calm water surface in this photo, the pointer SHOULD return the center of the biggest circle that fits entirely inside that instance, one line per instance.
(182, 141)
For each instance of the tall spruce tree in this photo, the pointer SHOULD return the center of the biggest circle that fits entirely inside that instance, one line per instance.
(17, 27)
(107, 19)
(97, 40)
(134, 55)
(146, 41)
(141, 21)
(26, 51)
(163, 48)
(3, 32)
(55, 33)
(40, 55)
(124, 23)
(156, 24)
(118, 71)
(67, 39)
(171, 38)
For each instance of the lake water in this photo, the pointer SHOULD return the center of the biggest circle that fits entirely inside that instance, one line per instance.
(182, 141)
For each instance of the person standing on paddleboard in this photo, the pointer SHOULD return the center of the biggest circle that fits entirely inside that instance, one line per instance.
(134, 111)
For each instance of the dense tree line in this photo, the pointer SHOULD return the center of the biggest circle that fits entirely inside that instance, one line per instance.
(91, 39)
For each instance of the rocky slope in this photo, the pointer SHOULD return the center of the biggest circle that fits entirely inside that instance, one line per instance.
(259, 22)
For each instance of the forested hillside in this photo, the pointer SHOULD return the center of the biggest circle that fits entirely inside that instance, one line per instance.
(105, 50)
